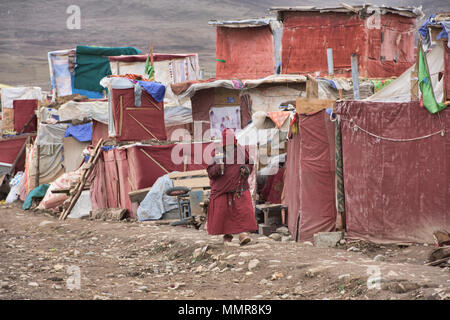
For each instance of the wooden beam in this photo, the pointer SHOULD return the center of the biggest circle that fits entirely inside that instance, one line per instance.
(175, 175)
(310, 106)
(153, 159)
(142, 126)
(194, 183)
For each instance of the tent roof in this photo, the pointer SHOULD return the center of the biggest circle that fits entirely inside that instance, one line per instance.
(244, 84)
(257, 22)
(412, 12)
(156, 57)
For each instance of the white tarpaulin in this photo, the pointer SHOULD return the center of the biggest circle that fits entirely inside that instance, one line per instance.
(156, 202)
(96, 110)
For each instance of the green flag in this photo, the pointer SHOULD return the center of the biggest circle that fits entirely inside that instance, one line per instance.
(428, 98)
(149, 69)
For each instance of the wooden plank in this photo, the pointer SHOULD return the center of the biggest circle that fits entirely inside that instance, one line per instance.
(138, 195)
(192, 183)
(175, 175)
(156, 162)
(310, 106)
(269, 206)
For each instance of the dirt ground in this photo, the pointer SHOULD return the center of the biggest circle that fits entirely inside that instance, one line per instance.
(44, 258)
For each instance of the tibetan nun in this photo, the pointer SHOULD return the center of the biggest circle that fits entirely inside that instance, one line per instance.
(230, 208)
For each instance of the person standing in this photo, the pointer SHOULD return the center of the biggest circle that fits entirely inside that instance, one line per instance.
(230, 209)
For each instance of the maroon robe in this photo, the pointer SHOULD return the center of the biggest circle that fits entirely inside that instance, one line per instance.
(230, 208)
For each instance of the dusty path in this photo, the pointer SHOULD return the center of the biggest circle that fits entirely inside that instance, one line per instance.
(41, 258)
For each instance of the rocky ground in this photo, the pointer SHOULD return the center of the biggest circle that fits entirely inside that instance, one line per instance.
(44, 258)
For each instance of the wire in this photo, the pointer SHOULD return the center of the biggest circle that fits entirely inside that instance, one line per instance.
(355, 127)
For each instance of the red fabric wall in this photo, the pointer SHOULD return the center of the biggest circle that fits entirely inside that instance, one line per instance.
(311, 167)
(395, 191)
(99, 131)
(292, 184)
(148, 115)
(23, 110)
(248, 52)
(9, 149)
(111, 179)
(346, 34)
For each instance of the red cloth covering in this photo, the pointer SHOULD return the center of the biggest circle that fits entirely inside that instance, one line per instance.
(310, 186)
(382, 52)
(446, 71)
(273, 187)
(248, 53)
(147, 114)
(23, 110)
(230, 212)
(99, 131)
(395, 191)
(9, 149)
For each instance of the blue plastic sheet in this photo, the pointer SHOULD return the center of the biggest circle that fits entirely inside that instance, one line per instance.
(81, 132)
(155, 89)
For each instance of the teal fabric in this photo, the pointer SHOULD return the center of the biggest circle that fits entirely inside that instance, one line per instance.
(38, 192)
(93, 65)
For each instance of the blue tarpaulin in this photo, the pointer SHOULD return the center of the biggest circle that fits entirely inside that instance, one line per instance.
(155, 89)
(81, 132)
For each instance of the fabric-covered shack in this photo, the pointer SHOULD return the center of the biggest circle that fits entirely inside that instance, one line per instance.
(382, 37)
(218, 104)
(137, 166)
(136, 109)
(396, 170)
(168, 69)
(18, 109)
(247, 49)
(80, 70)
(310, 162)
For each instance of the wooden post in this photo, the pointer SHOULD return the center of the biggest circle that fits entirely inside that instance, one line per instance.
(355, 77)
(415, 77)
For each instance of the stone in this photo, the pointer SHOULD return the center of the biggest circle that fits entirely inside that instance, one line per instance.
(342, 276)
(230, 256)
(245, 254)
(342, 242)
(276, 276)
(33, 284)
(283, 231)
(379, 257)
(286, 238)
(253, 264)
(258, 296)
(275, 236)
(197, 253)
(285, 296)
(143, 288)
(327, 239)
(308, 243)
(45, 222)
(248, 273)
(212, 265)
(56, 287)
(58, 267)
(298, 290)
(353, 249)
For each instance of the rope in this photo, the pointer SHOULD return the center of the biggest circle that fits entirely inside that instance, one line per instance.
(355, 127)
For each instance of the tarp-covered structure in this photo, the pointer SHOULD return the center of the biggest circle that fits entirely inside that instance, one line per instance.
(169, 69)
(310, 167)
(381, 36)
(133, 167)
(396, 164)
(247, 49)
(220, 103)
